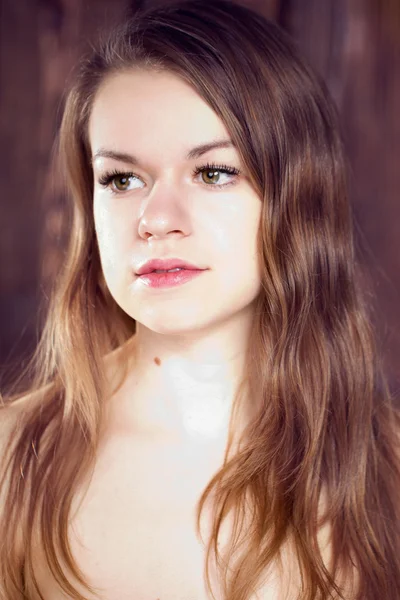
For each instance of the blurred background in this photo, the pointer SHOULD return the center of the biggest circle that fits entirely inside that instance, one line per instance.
(353, 44)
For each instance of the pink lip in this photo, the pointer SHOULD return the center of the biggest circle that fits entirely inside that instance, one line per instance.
(161, 280)
(164, 264)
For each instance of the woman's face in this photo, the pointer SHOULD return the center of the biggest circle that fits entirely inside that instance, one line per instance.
(165, 203)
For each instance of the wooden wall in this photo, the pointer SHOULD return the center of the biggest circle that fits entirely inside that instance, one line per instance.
(354, 44)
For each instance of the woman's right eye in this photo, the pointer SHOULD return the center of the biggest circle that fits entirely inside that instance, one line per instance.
(118, 181)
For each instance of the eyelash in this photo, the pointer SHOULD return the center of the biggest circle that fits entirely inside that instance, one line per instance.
(106, 179)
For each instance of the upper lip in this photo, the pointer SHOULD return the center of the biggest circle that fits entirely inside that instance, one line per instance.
(165, 264)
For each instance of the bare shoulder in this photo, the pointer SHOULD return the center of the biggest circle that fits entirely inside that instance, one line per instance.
(11, 420)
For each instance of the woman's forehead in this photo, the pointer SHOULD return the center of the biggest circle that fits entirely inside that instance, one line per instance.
(147, 110)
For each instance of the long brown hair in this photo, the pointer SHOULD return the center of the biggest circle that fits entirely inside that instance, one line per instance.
(324, 417)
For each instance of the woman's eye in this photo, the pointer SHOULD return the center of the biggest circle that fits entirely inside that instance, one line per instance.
(119, 182)
(211, 176)
(217, 175)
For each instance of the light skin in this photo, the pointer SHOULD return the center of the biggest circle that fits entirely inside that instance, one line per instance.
(191, 339)
(188, 353)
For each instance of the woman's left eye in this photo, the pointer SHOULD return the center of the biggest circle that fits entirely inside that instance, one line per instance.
(211, 174)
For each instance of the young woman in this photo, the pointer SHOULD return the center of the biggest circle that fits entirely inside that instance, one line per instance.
(224, 429)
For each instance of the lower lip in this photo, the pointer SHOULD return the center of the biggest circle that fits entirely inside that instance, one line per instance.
(159, 280)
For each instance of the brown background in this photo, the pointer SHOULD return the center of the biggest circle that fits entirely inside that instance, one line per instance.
(354, 44)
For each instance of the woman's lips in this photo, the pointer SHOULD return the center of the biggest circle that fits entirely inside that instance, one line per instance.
(171, 279)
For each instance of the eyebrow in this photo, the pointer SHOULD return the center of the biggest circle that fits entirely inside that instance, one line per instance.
(195, 152)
